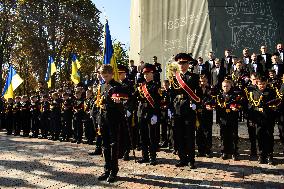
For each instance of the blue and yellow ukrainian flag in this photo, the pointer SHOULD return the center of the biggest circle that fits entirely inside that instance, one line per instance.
(51, 69)
(109, 57)
(13, 80)
(75, 77)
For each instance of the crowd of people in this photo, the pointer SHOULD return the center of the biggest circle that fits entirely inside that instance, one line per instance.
(139, 111)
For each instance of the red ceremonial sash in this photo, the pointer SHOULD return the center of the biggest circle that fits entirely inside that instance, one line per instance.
(185, 87)
(147, 95)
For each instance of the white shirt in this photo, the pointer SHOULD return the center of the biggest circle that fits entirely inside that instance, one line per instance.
(264, 57)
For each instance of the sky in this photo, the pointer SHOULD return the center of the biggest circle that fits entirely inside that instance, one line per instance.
(118, 14)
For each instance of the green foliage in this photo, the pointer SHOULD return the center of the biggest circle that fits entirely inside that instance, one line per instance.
(31, 30)
(120, 53)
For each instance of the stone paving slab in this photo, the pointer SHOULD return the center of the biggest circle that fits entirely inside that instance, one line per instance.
(38, 163)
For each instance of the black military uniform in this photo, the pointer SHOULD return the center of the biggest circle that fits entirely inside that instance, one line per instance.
(55, 118)
(25, 117)
(281, 114)
(45, 118)
(111, 115)
(35, 117)
(17, 117)
(9, 116)
(148, 97)
(184, 106)
(78, 119)
(263, 116)
(205, 117)
(228, 123)
(88, 122)
(67, 109)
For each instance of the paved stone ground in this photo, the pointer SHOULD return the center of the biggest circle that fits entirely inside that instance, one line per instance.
(35, 163)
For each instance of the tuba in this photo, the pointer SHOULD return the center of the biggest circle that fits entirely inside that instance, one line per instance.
(171, 69)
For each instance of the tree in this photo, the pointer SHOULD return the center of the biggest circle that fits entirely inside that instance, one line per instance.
(39, 28)
(120, 53)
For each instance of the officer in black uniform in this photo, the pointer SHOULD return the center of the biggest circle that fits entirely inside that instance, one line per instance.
(67, 109)
(78, 117)
(35, 115)
(185, 99)
(9, 116)
(45, 117)
(281, 112)
(111, 116)
(17, 116)
(88, 123)
(262, 101)
(55, 116)
(25, 115)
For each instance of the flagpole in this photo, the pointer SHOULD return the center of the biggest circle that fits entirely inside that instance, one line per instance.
(1, 64)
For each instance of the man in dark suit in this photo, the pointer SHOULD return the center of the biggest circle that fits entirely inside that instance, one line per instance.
(277, 65)
(254, 65)
(227, 61)
(280, 51)
(246, 56)
(157, 71)
(218, 74)
(203, 68)
(132, 71)
(211, 60)
(264, 58)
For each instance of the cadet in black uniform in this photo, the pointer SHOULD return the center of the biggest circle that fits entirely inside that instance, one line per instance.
(9, 116)
(281, 112)
(205, 117)
(25, 116)
(67, 109)
(55, 116)
(78, 117)
(111, 116)
(17, 116)
(250, 116)
(261, 101)
(35, 115)
(88, 122)
(45, 117)
(185, 88)
(228, 106)
(149, 98)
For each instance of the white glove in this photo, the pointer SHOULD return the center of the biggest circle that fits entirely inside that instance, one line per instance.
(154, 120)
(128, 113)
(193, 106)
(169, 113)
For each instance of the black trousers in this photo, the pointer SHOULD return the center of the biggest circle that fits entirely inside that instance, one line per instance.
(204, 132)
(265, 129)
(281, 126)
(164, 126)
(110, 137)
(89, 129)
(26, 122)
(149, 140)
(45, 123)
(17, 123)
(229, 131)
(184, 128)
(67, 130)
(35, 123)
(78, 125)
(55, 123)
(98, 135)
(9, 123)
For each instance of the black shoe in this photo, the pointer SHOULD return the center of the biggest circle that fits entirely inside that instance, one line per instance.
(262, 160)
(153, 162)
(224, 156)
(91, 142)
(104, 176)
(111, 178)
(270, 160)
(175, 152)
(79, 141)
(163, 144)
(98, 151)
(181, 164)
(144, 160)
(200, 154)
(126, 157)
(74, 141)
(192, 165)
(235, 157)
(209, 155)
(62, 140)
